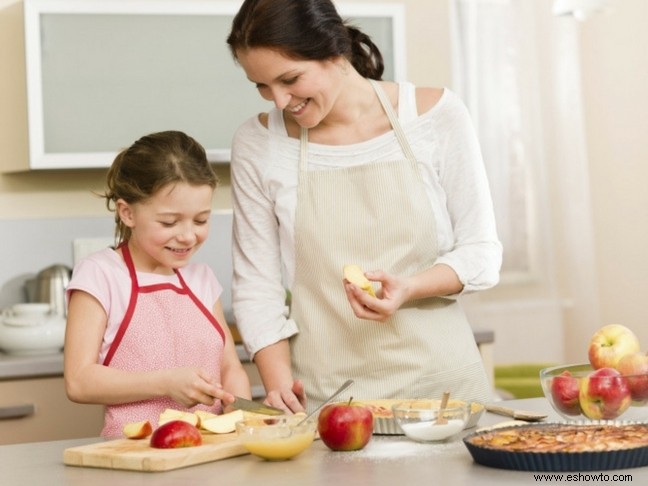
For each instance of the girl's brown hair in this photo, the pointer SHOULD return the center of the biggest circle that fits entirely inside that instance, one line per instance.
(304, 29)
(151, 163)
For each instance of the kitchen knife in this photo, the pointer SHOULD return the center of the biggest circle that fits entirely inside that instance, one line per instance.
(255, 407)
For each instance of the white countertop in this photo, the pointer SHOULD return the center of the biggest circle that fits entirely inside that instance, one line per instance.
(387, 460)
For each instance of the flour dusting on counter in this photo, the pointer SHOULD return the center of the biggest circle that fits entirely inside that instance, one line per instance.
(401, 448)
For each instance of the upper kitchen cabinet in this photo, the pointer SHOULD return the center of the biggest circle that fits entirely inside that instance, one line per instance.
(99, 74)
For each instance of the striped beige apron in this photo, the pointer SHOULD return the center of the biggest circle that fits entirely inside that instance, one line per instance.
(378, 216)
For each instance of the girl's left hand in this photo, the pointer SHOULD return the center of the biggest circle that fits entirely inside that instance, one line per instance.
(393, 293)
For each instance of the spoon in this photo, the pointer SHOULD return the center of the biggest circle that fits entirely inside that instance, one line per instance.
(441, 420)
(344, 386)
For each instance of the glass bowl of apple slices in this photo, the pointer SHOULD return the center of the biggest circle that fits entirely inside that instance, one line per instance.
(276, 438)
(580, 392)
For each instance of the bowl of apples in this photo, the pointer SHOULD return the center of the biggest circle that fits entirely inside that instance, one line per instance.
(612, 385)
(581, 392)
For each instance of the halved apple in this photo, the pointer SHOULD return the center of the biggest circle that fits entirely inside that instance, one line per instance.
(170, 414)
(138, 430)
(354, 274)
(223, 424)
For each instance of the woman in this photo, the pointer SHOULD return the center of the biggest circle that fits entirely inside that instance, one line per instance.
(351, 169)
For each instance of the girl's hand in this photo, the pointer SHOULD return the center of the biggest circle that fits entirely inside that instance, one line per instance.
(292, 399)
(393, 293)
(192, 386)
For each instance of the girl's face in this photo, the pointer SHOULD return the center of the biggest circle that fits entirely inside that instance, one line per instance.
(306, 90)
(169, 227)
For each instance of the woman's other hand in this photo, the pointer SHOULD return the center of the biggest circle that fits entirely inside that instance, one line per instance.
(291, 399)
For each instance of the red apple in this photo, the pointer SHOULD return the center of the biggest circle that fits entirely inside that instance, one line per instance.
(345, 426)
(604, 394)
(174, 434)
(635, 367)
(564, 391)
(611, 343)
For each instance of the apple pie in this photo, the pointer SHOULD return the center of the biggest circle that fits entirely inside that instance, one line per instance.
(565, 438)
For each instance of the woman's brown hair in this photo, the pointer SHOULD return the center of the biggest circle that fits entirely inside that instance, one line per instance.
(304, 29)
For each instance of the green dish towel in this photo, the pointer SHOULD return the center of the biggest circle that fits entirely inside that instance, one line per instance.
(520, 380)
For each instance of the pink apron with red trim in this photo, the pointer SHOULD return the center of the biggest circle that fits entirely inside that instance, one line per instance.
(165, 327)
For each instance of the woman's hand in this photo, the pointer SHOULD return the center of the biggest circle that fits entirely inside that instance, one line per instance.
(292, 399)
(437, 281)
(191, 386)
(393, 293)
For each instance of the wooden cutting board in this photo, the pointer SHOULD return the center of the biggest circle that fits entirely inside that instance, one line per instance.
(138, 455)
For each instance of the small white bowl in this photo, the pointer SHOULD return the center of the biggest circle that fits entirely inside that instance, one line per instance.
(45, 338)
(30, 309)
(420, 423)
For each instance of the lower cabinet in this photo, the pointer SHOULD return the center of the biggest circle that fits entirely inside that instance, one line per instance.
(38, 409)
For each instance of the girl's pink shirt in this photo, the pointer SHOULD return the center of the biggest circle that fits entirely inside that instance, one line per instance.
(104, 276)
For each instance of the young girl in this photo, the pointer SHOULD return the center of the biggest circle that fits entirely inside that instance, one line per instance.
(145, 328)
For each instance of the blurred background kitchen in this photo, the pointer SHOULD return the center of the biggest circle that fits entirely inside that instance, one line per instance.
(556, 90)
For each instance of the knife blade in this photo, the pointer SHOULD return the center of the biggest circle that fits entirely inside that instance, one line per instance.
(255, 407)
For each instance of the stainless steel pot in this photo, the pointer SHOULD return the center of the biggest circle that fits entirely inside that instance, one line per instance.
(49, 286)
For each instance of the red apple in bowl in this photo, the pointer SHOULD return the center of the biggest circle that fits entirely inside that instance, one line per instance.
(604, 394)
(565, 393)
(611, 343)
(345, 426)
(635, 368)
(174, 434)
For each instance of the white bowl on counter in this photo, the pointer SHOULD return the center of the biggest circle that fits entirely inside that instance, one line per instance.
(31, 329)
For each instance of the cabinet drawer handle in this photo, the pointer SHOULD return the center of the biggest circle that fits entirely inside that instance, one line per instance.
(17, 411)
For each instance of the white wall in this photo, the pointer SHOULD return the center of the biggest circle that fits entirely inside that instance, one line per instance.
(615, 71)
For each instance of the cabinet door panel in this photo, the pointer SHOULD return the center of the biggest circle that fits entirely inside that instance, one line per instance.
(39, 410)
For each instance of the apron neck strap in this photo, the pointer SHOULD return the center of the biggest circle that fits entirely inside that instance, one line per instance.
(303, 149)
(393, 120)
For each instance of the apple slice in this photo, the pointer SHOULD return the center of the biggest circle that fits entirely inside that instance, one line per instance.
(138, 430)
(354, 274)
(205, 415)
(223, 424)
(170, 414)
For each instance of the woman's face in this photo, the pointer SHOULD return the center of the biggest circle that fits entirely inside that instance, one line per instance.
(168, 228)
(306, 90)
